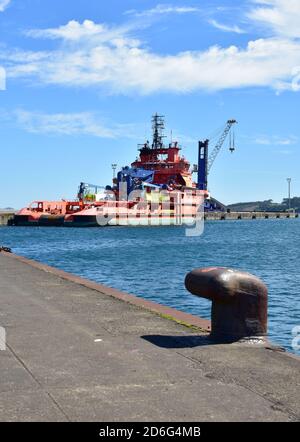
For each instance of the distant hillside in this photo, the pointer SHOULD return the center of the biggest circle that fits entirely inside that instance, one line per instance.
(268, 206)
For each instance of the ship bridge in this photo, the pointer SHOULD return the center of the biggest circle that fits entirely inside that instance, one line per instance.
(167, 163)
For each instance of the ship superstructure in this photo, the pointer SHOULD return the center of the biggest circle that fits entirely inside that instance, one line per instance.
(169, 167)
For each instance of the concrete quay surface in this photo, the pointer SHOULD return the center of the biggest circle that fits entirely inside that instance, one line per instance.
(79, 351)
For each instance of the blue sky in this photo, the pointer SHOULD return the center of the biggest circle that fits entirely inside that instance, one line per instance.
(79, 81)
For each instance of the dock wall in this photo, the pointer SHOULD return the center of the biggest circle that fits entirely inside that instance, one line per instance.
(219, 216)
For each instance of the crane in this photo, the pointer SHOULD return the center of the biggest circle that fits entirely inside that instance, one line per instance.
(218, 146)
(206, 162)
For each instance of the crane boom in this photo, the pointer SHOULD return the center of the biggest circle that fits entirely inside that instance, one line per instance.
(219, 144)
(205, 162)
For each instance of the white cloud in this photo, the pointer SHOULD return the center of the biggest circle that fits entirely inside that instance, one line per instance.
(163, 9)
(263, 140)
(93, 54)
(284, 152)
(281, 16)
(74, 31)
(2, 79)
(82, 123)
(71, 31)
(226, 28)
(276, 140)
(4, 4)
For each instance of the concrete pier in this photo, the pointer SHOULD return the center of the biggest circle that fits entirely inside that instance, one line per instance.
(234, 216)
(79, 351)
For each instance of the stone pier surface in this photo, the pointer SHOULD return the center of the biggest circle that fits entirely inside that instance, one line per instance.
(78, 351)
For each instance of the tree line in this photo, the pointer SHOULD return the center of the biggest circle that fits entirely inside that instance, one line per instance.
(266, 206)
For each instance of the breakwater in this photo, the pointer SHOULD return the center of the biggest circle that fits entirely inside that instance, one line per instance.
(234, 216)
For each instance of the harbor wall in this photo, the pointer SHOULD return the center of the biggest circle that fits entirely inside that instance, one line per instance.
(219, 216)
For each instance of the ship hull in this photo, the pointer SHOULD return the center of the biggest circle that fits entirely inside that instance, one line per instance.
(83, 221)
(42, 221)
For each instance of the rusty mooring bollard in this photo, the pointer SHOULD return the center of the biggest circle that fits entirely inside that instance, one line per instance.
(239, 302)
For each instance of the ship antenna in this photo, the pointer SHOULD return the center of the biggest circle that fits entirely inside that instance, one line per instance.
(158, 126)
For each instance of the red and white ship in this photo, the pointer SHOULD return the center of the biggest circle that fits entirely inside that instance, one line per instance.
(157, 189)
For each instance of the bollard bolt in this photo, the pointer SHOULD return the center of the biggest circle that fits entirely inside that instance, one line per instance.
(239, 302)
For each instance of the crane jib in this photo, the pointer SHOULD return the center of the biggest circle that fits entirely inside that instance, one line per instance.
(206, 162)
(219, 144)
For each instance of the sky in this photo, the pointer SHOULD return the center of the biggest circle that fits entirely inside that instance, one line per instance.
(80, 80)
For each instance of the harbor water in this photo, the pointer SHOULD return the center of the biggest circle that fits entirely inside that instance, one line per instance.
(152, 262)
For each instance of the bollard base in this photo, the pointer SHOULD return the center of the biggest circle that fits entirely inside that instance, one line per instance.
(227, 339)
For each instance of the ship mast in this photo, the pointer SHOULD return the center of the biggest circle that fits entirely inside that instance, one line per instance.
(158, 126)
